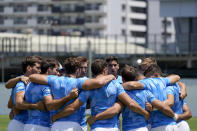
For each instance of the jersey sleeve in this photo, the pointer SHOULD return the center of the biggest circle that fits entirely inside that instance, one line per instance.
(80, 82)
(51, 79)
(20, 86)
(84, 95)
(184, 102)
(166, 81)
(150, 96)
(120, 89)
(46, 91)
(144, 83)
(170, 90)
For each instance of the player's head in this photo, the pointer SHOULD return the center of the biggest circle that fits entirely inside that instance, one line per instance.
(99, 66)
(82, 70)
(32, 65)
(112, 65)
(71, 65)
(153, 71)
(49, 66)
(130, 73)
(147, 62)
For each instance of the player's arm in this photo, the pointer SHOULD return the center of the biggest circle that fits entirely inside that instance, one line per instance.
(132, 105)
(68, 110)
(174, 78)
(186, 115)
(12, 82)
(95, 83)
(183, 91)
(23, 105)
(132, 85)
(163, 107)
(38, 78)
(109, 113)
(170, 100)
(10, 102)
(54, 104)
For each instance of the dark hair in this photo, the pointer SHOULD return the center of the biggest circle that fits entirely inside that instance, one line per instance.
(129, 73)
(152, 69)
(98, 66)
(30, 61)
(71, 65)
(48, 63)
(111, 58)
(82, 59)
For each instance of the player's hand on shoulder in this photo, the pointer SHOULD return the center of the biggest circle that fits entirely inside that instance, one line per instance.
(25, 79)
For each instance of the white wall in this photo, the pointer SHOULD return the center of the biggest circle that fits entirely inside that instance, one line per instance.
(114, 17)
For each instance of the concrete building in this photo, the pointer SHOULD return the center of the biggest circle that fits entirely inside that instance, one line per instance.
(184, 13)
(129, 20)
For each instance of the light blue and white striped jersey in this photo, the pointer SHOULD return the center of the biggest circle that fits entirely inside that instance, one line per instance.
(61, 87)
(133, 120)
(34, 93)
(22, 116)
(157, 86)
(100, 100)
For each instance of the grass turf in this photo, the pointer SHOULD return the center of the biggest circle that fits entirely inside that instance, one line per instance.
(4, 120)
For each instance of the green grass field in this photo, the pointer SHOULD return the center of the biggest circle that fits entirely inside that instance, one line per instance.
(4, 120)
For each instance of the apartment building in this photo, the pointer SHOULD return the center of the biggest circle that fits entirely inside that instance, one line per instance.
(125, 19)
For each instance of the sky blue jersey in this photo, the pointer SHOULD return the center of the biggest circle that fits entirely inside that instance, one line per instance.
(22, 116)
(34, 93)
(61, 87)
(157, 86)
(100, 100)
(178, 103)
(132, 120)
(119, 79)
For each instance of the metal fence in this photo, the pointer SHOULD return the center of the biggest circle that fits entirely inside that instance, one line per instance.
(15, 44)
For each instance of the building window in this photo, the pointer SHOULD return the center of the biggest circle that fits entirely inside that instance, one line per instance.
(138, 22)
(20, 20)
(1, 20)
(43, 8)
(138, 10)
(123, 32)
(123, 20)
(1, 8)
(123, 7)
(167, 23)
(20, 8)
(138, 34)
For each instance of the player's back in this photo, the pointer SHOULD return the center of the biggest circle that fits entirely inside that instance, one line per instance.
(157, 86)
(103, 98)
(34, 93)
(133, 120)
(61, 87)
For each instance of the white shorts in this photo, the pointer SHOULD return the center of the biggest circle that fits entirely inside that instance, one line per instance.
(32, 127)
(183, 126)
(66, 126)
(149, 127)
(15, 125)
(85, 128)
(106, 129)
(165, 128)
(140, 129)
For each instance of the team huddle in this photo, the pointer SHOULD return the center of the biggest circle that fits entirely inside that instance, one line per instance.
(48, 97)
